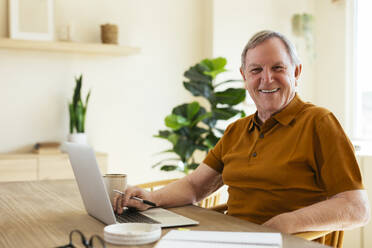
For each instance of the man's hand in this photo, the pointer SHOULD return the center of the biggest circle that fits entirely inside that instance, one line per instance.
(121, 201)
(282, 222)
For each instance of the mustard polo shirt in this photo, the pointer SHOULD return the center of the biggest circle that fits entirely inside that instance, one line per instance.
(298, 157)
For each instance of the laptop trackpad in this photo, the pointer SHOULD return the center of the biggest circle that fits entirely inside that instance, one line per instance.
(168, 218)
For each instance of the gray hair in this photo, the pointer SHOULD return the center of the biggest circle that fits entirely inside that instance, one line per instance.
(261, 36)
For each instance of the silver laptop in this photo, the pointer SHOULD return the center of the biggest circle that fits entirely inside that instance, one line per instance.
(95, 197)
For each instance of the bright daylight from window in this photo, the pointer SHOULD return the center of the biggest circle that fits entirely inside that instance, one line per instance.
(363, 122)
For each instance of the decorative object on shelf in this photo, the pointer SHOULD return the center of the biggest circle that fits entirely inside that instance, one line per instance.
(191, 127)
(65, 32)
(78, 112)
(302, 26)
(31, 19)
(109, 33)
(47, 148)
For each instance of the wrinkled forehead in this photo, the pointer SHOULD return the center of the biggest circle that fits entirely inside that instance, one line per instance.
(270, 51)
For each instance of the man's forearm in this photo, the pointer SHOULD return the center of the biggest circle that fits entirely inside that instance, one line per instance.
(177, 193)
(191, 188)
(344, 211)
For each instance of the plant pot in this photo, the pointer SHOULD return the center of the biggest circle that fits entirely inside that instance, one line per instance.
(79, 138)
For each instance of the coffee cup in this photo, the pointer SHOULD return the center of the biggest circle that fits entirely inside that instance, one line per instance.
(115, 181)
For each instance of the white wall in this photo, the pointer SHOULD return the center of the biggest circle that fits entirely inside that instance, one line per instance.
(331, 71)
(130, 95)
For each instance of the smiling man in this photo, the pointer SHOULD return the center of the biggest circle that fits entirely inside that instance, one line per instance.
(289, 166)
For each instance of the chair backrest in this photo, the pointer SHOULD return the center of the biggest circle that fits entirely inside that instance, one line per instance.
(207, 202)
(156, 184)
(331, 238)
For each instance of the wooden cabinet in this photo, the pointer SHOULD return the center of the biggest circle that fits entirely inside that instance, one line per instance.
(26, 167)
(18, 168)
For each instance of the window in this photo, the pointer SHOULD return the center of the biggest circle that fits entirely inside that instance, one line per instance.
(363, 71)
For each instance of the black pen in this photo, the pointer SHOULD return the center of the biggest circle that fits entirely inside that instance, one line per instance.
(137, 199)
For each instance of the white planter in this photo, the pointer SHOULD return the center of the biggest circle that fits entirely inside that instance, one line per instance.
(79, 138)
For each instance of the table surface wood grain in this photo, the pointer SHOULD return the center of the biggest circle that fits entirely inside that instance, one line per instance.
(42, 213)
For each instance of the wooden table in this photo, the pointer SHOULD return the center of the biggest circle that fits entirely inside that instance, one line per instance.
(42, 213)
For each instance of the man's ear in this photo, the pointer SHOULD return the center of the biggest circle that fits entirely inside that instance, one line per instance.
(297, 72)
(241, 72)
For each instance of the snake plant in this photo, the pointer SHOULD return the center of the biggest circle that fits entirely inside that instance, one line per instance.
(77, 108)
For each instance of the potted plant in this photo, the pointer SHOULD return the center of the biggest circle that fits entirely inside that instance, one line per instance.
(77, 111)
(190, 126)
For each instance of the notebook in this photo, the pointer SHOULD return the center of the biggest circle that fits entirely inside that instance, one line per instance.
(95, 197)
(217, 239)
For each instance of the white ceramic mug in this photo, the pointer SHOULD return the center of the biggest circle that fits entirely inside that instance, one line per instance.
(115, 181)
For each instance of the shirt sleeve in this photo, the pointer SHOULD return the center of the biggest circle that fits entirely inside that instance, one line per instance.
(336, 161)
(214, 157)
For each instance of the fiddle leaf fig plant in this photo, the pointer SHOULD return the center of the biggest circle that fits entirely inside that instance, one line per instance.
(77, 109)
(191, 127)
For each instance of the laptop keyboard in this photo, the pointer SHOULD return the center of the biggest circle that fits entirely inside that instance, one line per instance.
(131, 216)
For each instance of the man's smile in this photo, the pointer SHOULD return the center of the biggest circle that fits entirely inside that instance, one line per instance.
(269, 91)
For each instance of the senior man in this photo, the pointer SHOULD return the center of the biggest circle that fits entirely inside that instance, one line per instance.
(289, 166)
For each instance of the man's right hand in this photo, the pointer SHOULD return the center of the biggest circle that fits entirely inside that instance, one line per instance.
(121, 201)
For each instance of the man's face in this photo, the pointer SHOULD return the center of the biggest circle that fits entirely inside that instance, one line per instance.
(270, 77)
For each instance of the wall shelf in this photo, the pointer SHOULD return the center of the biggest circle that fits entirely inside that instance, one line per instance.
(69, 47)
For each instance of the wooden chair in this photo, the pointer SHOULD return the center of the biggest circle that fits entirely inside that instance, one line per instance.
(208, 202)
(331, 238)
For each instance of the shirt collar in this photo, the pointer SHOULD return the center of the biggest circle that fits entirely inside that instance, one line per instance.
(254, 123)
(285, 116)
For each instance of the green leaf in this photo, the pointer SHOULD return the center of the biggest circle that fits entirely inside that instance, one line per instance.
(166, 151)
(211, 121)
(173, 138)
(163, 160)
(176, 121)
(219, 63)
(224, 113)
(169, 167)
(198, 88)
(163, 134)
(208, 63)
(192, 109)
(196, 73)
(184, 148)
(214, 73)
(196, 132)
(76, 97)
(72, 117)
(211, 140)
(231, 96)
(180, 110)
(79, 117)
(215, 66)
(192, 166)
(228, 81)
(201, 117)
(185, 109)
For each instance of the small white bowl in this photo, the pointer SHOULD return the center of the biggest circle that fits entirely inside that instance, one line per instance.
(131, 233)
